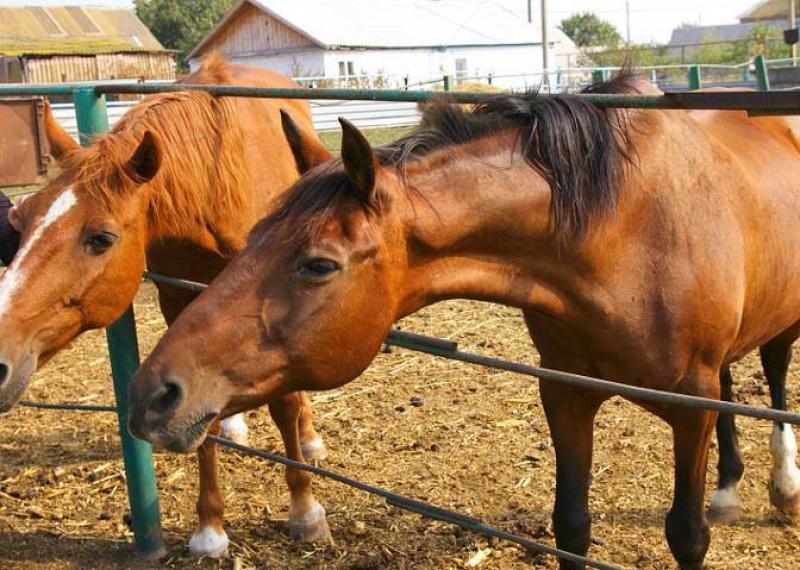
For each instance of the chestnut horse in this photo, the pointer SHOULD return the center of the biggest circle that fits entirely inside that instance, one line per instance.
(651, 248)
(177, 184)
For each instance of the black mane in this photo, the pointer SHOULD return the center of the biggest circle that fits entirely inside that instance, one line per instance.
(580, 149)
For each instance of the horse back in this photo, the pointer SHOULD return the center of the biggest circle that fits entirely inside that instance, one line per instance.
(269, 156)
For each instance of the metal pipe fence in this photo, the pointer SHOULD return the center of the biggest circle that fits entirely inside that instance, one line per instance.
(122, 342)
(392, 499)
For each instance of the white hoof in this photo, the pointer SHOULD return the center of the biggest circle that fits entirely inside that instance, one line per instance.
(209, 542)
(311, 527)
(784, 480)
(235, 429)
(314, 450)
(724, 507)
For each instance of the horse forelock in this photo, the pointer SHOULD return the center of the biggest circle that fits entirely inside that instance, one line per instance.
(301, 213)
(202, 176)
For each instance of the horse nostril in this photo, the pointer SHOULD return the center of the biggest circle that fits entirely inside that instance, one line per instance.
(165, 403)
(5, 373)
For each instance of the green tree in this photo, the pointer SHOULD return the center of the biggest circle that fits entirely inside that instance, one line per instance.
(586, 29)
(181, 24)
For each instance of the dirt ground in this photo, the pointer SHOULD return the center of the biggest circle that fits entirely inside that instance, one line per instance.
(478, 444)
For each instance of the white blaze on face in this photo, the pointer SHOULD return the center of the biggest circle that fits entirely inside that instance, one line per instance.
(15, 278)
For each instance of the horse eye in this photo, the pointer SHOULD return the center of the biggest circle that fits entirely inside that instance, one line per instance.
(318, 267)
(100, 242)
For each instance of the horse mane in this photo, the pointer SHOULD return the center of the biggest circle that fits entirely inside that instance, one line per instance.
(581, 150)
(202, 172)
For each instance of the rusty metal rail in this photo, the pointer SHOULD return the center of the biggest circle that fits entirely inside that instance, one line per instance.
(449, 349)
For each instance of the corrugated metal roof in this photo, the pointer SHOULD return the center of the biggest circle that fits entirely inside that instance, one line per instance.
(701, 34)
(767, 10)
(398, 23)
(36, 30)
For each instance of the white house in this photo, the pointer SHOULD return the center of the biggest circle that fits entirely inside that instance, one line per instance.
(395, 40)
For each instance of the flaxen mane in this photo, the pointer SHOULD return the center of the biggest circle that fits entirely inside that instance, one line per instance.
(581, 150)
(203, 174)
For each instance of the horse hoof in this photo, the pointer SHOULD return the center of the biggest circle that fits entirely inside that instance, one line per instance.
(314, 450)
(724, 507)
(235, 429)
(209, 542)
(789, 505)
(723, 515)
(312, 527)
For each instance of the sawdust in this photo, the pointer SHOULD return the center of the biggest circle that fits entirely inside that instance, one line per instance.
(478, 444)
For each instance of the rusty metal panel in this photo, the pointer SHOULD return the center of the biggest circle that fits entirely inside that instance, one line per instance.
(23, 148)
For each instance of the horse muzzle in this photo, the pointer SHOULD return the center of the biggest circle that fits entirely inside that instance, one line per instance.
(157, 416)
(14, 378)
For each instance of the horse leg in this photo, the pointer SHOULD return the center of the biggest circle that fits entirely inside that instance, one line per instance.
(210, 539)
(311, 444)
(687, 530)
(570, 415)
(784, 480)
(725, 507)
(235, 429)
(307, 521)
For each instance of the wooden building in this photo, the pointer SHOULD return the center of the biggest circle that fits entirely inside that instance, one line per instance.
(392, 40)
(57, 44)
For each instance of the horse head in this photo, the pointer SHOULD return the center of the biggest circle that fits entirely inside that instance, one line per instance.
(81, 254)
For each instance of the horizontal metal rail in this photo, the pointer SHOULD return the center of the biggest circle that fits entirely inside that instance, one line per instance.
(400, 501)
(449, 349)
(422, 508)
(175, 281)
(757, 102)
(742, 101)
(70, 407)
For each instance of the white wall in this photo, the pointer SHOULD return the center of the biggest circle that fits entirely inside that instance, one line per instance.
(431, 63)
(295, 63)
(420, 64)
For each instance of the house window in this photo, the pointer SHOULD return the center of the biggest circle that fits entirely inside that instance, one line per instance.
(461, 68)
(346, 69)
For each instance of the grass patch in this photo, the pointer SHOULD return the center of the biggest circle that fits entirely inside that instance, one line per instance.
(333, 139)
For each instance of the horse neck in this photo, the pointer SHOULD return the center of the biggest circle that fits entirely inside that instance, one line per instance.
(479, 228)
(203, 192)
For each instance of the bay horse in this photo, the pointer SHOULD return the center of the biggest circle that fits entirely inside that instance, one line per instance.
(176, 185)
(647, 247)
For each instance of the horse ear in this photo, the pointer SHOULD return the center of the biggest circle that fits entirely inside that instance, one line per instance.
(359, 160)
(308, 151)
(146, 160)
(60, 141)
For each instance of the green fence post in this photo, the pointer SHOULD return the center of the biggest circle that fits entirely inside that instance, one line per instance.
(694, 77)
(762, 74)
(90, 111)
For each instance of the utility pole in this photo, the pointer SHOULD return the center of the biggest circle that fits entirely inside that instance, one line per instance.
(530, 12)
(792, 25)
(545, 42)
(628, 21)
